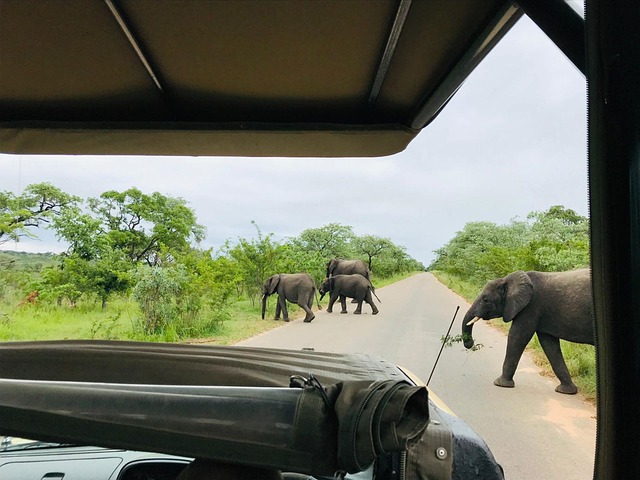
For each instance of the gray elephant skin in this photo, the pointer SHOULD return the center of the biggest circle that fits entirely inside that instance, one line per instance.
(554, 305)
(296, 288)
(338, 266)
(353, 286)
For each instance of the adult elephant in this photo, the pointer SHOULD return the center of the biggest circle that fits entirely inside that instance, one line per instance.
(339, 266)
(555, 306)
(296, 288)
(353, 286)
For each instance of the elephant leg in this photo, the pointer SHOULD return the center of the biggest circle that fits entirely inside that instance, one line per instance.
(304, 304)
(343, 302)
(373, 305)
(516, 344)
(551, 347)
(310, 299)
(277, 317)
(332, 300)
(282, 302)
(358, 309)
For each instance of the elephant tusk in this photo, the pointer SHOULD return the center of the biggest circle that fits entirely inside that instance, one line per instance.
(472, 321)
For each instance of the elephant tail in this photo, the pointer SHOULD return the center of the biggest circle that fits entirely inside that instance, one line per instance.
(373, 290)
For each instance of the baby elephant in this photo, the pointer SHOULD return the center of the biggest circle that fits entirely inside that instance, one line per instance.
(353, 286)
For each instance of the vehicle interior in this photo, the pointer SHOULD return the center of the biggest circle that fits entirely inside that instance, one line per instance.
(324, 78)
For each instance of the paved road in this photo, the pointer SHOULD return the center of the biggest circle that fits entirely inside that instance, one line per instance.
(535, 433)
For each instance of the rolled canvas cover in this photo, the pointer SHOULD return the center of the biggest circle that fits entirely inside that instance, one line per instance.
(67, 392)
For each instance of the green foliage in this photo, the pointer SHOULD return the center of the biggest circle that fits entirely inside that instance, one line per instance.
(76, 276)
(19, 271)
(34, 208)
(555, 240)
(330, 241)
(256, 259)
(104, 328)
(142, 225)
(187, 298)
(371, 246)
(164, 297)
(311, 251)
(451, 340)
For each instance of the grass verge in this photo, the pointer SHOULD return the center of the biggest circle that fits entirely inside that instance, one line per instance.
(117, 322)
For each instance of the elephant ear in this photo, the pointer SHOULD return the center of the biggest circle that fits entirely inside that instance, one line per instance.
(518, 294)
(331, 267)
(272, 284)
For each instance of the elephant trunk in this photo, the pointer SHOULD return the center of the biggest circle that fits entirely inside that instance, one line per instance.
(264, 304)
(467, 328)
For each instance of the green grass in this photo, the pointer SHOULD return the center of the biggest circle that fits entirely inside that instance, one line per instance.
(580, 359)
(117, 322)
(49, 322)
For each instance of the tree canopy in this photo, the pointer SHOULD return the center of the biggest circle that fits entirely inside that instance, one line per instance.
(553, 240)
(35, 207)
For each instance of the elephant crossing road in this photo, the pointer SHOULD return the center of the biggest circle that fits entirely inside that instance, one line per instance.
(353, 286)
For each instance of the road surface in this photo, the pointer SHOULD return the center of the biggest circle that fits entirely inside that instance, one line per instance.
(534, 432)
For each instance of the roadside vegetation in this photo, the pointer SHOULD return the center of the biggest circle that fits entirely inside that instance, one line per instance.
(134, 270)
(550, 241)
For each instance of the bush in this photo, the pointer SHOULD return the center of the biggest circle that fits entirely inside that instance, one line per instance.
(163, 296)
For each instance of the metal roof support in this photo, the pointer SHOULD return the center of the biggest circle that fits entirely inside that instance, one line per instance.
(613, 73)
(392, 41)
(134, 43)
(501, 23)
(563, 25)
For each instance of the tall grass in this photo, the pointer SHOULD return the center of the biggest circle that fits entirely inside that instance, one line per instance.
(580, 359)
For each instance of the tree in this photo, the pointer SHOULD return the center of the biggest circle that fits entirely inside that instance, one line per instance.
(84, 234)
(142, 225)
(371, 247)
(330, 241)
(121, 230)
(256, 259)
(559, 239)
(34, 208)
(395, 260)
(554, 240)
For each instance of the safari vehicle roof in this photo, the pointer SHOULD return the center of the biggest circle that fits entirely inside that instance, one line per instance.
(245, 77)
(332, 78)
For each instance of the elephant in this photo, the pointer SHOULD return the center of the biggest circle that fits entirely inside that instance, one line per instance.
(339, 266)
(297, 288)
(554, 305)
(353, 286)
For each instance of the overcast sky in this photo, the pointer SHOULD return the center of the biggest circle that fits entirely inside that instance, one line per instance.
(511, 141)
